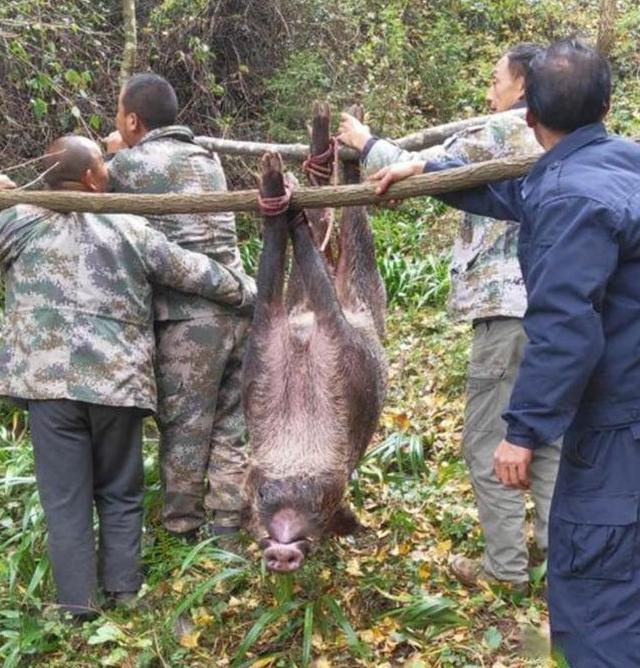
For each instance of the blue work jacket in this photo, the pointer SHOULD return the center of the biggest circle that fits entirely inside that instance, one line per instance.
(579, 250)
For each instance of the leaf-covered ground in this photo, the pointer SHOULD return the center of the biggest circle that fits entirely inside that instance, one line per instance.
(382, 598)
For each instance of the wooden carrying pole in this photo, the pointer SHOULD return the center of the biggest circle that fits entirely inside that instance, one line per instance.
(413, 142)
(433, 183)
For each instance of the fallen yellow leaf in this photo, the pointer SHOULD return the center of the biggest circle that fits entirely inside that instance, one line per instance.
(190, 640)
(353, 568)
(202, 617)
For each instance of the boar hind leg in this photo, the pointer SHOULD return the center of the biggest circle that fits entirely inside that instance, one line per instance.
(318, 285)
(271, 270)
(344, 522)
(269, 314)
(358, 281)
(318, 218)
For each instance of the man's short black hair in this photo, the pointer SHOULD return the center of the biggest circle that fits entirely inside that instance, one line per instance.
(520, 57)
(152, 98)
(568, 86)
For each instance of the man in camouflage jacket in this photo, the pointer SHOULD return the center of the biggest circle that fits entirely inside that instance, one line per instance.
(77, 347)
(487, 290)
(199, 345)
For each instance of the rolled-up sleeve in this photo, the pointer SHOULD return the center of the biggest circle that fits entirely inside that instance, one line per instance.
(571, 259)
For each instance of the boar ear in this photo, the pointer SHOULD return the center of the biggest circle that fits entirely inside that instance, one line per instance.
(344, 522)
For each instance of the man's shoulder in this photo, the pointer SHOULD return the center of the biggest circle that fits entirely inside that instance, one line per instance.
(497, 136)
(606, 172)
(22, 215)
(511, 130)
(121, 222)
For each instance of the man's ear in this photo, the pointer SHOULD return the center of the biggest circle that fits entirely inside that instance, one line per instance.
(532, 121)
(89, 181)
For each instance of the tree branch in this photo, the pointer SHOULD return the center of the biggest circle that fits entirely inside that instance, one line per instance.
(460, 178)
(130, 51)
(413, 142)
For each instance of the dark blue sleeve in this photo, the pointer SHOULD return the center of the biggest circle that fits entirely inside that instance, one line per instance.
(572, 254)
(500, 200)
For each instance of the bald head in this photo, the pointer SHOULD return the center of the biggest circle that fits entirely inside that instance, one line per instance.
(74, 162)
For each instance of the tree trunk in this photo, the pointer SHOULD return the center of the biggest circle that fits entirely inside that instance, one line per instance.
(606, 27)
(129, 54)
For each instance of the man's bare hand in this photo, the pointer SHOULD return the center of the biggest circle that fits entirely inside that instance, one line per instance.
(393, 173)
(512, 463)
(352, 132)
(6, 183)
(114, 142)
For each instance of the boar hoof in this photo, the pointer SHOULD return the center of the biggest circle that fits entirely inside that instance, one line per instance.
(271, 162)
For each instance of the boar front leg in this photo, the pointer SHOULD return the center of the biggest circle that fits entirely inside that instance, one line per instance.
(344, 522)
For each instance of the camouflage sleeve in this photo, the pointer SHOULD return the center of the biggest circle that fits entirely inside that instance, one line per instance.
(172, 266)
(119, 170)
(16, 225)
(498, 137)
(385, 152)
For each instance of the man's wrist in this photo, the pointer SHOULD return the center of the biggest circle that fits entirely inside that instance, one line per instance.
(523, 438)
(368, 145)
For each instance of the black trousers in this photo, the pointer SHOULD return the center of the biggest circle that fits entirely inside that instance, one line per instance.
(88, 454)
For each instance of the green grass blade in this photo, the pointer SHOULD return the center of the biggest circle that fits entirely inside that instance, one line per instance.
(307, 635)
(202, 589)
(266, 618)
(352, 637)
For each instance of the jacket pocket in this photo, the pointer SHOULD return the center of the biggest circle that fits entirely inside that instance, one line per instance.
(594, 537)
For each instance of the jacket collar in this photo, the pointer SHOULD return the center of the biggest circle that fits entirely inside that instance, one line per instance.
(574, 141)
(179, 132)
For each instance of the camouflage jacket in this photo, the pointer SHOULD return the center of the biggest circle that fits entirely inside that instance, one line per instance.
(168, 160)
(486, 281)
(78, 321)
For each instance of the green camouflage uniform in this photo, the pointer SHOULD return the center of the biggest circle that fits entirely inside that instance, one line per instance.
(199, 344)
(87, 334)
(487, 289)
(485, 276)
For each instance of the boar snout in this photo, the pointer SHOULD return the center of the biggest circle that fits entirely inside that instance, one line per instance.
(285, 558)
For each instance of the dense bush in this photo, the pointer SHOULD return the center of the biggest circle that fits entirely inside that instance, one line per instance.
(251, 69)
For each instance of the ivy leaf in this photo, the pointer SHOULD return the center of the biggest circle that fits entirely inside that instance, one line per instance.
(40, 107)
(493, 638)
(106, 633)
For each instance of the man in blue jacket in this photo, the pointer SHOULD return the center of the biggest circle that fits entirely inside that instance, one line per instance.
(579, 250)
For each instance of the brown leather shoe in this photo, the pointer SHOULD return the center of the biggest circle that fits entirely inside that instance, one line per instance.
(471, 574)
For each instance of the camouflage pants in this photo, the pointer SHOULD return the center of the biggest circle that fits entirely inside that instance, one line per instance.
(202, 433)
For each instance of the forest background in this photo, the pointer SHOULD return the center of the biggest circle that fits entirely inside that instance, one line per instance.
(251, 70)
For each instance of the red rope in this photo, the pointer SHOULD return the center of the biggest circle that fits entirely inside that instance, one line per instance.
(276, 206)
(321, 166)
